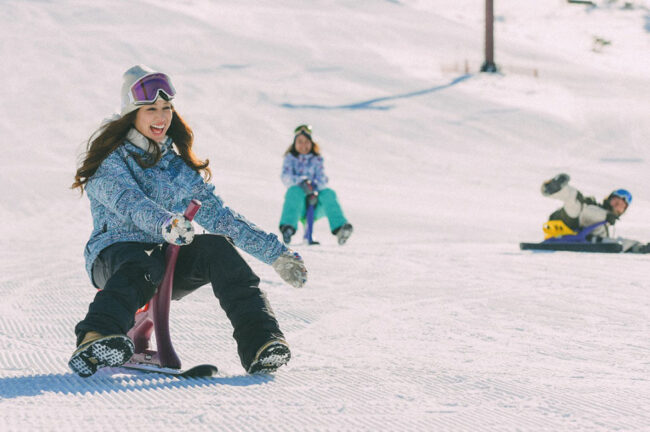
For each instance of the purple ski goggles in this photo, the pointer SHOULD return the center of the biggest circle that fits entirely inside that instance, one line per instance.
(145, 90)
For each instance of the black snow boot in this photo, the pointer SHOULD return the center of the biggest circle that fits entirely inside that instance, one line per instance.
(640, 248)
(549, 187)
(270, 357)
(287, 232)
(343, 233)
(97, 351)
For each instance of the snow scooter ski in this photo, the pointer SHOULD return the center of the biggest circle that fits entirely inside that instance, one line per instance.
(154, 318)
(559, 237)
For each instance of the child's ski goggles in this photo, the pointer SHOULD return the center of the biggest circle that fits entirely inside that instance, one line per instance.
(145, 90)
(306, 129)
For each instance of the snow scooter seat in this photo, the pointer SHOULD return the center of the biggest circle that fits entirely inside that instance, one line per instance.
(556, 228)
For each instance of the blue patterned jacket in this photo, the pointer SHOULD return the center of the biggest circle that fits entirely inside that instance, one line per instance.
(309, 166)
(130, 203)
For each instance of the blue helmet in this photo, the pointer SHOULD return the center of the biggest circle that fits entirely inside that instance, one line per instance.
(622, 194)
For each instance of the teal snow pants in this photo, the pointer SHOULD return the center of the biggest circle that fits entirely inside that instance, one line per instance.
(294, 208)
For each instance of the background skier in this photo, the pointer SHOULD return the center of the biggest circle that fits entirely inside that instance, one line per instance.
(304, 176)
(581, 211)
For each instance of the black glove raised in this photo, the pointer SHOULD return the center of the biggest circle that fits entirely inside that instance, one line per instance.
(612, 218)
(553, 185)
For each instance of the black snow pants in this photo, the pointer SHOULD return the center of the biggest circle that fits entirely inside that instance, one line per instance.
(128, 274)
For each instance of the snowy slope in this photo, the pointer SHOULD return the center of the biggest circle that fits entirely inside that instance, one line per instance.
(430, 318)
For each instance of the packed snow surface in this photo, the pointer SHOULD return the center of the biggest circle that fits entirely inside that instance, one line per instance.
(430, 318)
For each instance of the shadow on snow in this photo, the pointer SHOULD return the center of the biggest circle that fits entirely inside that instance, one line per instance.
(108, 380)
(371, 104)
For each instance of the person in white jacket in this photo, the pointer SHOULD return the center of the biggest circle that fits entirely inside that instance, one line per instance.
(579, 211)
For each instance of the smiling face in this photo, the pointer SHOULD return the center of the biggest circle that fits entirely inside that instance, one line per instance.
(303, 144)
(154, 120)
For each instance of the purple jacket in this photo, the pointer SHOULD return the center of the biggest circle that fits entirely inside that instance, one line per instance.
(309, 166)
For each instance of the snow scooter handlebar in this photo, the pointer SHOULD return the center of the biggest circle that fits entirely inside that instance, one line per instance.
(155, 317)
(161, 301)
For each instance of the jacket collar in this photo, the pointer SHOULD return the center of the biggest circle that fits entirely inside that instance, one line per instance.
(141, 141)
(305, 157)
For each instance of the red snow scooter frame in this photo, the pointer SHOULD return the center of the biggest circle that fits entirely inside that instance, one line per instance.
(154, 317)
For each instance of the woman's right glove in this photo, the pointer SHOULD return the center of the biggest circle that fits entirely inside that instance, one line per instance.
(178, 230)
(291, 268)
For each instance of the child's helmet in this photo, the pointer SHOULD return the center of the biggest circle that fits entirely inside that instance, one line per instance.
(622, 194)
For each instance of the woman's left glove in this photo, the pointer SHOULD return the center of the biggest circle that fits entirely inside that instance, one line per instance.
(178, 230)
(291, 268)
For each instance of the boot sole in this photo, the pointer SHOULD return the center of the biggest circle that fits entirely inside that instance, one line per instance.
(109, 351)
(270, 357)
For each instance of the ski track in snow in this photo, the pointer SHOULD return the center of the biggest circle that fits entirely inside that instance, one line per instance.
(455, 354)
(430, 318)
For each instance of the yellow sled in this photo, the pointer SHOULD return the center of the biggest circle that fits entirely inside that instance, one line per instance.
(556, 228)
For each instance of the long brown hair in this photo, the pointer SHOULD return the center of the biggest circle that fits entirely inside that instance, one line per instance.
(112, 135)
(315, 149)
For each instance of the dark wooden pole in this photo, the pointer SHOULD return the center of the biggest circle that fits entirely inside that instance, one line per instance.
(488, 65)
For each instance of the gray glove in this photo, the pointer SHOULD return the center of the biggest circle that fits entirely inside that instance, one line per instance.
(178, 230)
(291, 268)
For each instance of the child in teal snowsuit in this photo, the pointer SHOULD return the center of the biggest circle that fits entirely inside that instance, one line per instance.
(304, 176)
